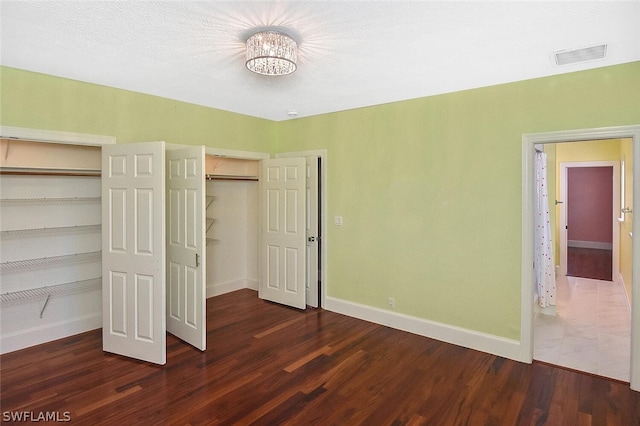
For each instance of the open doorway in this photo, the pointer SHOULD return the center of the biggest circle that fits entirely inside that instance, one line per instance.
(632, 284)
(591, 326)
(587, 210)
(589, 225)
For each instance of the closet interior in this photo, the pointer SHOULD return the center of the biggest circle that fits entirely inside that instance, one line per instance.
(50, 237)
(50, 244)
(232, 224)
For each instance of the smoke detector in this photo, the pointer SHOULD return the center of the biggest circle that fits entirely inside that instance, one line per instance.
(584, 54)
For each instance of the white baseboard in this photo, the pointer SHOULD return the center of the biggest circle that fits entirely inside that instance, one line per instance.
(34, 336)
(626, 296)
(483, 342)
(216, 289)
(590, 244)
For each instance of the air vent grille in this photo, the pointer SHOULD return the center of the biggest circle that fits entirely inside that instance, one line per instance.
(566, 57)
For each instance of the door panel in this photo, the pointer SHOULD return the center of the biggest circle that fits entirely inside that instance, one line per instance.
(186, 292)
(283, 231)
(133, 251)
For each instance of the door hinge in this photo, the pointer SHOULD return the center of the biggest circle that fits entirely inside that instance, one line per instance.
(197, 260)
(312, 239)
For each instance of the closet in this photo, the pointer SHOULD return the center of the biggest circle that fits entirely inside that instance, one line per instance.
(158, 223)
(50, 224)
(133, 237)
(146, 234)
(51, 234)
(232, 224)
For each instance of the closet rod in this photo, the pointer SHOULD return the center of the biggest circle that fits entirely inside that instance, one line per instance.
(48, 172)
(228, 177)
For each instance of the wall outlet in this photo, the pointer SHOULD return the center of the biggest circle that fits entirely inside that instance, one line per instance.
(392, 303)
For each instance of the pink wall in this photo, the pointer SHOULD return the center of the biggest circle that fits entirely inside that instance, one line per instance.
(590, 199)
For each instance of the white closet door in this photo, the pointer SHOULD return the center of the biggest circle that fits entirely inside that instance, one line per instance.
(133, 251)
(186, 257)
(312, 232)
(283, 231)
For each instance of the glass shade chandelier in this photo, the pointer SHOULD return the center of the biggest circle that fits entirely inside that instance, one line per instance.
(271, 53)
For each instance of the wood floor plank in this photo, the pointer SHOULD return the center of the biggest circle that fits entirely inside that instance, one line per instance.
(589, 263)
(267, 364)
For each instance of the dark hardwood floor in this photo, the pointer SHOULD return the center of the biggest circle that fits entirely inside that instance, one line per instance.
(268, 364)
(589, 263)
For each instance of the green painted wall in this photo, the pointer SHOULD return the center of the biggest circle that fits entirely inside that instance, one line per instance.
(429, 189)
(42, 101)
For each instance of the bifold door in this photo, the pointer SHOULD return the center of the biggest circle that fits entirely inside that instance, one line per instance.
(186, 298)
(133, 251)
(135, 254)
(282, 252)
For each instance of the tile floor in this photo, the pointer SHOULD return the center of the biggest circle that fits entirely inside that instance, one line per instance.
(591, 331)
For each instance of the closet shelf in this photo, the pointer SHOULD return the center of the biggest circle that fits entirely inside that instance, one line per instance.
(52, 290)
(49, 230)
(209, 199)
(50, 200)
(50, 261)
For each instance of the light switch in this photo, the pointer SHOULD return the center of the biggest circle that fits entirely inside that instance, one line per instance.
(337, 220)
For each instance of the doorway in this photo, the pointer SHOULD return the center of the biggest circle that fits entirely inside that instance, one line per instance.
(587, 206)
(527, 306)
(590, 330)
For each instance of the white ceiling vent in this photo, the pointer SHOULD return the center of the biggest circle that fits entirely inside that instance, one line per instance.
(566, 57)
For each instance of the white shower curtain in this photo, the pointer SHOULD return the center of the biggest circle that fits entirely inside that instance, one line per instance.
(544, 266)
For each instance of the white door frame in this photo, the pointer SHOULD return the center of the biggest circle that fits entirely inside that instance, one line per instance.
(615, 224)
(527, 288)
(322, 154)
(53, 136)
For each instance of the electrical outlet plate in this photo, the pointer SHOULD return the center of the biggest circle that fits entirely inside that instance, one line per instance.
(392, 303)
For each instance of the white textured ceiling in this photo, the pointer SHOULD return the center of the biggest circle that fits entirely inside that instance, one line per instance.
(351, 53)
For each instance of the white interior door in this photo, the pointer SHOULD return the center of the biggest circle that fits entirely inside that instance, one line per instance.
(312, 232)
(186, 265)
(133, 251)
(283, 245)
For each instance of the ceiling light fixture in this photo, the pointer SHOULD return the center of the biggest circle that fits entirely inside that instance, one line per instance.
(271, 53)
